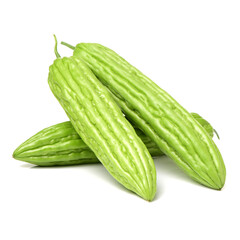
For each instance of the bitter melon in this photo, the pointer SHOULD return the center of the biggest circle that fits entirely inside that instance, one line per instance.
(102, 126)
(157, 114)
(60, 145)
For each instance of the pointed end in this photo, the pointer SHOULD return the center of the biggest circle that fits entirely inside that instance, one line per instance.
(220, 186)
(14, 155)
(17, 153)
(149, 197)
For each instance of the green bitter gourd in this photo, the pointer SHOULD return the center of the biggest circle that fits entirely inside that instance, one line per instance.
(157, 114)
(60, 145)
(102, 126)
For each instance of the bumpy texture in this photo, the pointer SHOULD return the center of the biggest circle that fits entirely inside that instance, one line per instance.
(101, 124)
(60, 145)
(157, 114)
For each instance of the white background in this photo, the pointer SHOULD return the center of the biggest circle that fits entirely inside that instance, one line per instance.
(190, 48)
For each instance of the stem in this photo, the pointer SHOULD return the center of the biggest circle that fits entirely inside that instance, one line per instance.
(216, 133)
(68, 45)
(55, 48)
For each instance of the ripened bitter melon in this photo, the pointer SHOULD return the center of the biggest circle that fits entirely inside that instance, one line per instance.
(157, 114)
(60, 145)
(102, 126)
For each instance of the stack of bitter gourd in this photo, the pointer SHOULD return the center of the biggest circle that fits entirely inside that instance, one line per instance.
(121, 118)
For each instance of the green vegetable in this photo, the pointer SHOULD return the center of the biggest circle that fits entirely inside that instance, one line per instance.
(61, 145)
(157, 114)
(101, 124)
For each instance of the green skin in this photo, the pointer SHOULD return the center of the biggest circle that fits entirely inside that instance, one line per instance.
(157, 114)
(60, 145)
(102, 126)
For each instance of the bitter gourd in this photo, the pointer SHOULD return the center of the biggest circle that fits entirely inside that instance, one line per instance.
(157, 114)
(60, 145)
(100, 123)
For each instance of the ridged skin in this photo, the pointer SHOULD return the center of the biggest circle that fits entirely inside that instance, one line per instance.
(157, 114)
(101, 124)
(60, 145)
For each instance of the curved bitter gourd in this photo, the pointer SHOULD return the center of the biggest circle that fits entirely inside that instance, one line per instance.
(60, 145)
(102, 126)
(157, 114)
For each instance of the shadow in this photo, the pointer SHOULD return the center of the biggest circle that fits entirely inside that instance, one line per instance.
(95, 169)
(99, 172)
(103, 174)
(159, 191)
(165, 166)
(29, 165)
